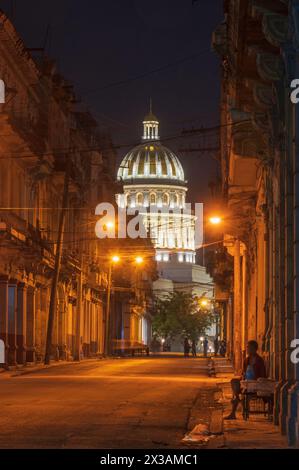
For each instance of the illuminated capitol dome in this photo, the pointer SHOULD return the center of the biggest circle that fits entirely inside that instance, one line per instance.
(151, 160)
(153, 177)
(154, 184)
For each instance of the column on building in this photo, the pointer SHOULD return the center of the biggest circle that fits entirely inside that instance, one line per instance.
(100, 327)
(12, 322)
(4, 313)
(30, 326)
(38, 323)
(21, 322)
(44, 311)
(93, 329)
(86, 334)
(237, 307)
(244, 302)
(72, 330)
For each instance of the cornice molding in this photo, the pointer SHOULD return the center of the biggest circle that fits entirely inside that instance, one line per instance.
(270, 67)
(275, 28)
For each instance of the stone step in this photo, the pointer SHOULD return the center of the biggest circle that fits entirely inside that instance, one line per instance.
(224, 369)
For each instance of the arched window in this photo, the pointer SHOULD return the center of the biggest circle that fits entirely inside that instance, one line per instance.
(153, 199)
(139, 199)
(129, 200)
(165, 199)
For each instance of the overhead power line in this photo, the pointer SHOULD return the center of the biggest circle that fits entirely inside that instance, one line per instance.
(145, 74)
(185, 134)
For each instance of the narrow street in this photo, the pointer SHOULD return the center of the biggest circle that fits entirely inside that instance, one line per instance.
(144, 402)
(149, 228)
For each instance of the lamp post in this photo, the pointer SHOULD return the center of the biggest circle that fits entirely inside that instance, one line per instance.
(57, 265)
(114, 260)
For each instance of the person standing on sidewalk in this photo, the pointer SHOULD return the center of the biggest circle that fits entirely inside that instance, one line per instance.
(253, 369)
(205, 347)
(222, 348)
(216, 345)
(186, 347)
(194, 352)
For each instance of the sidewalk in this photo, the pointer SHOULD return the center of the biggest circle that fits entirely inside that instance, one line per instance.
(256, 433)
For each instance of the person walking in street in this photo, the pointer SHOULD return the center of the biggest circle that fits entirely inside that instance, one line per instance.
(205, 347)
(216, 345)
(194, 352)
(186, 347)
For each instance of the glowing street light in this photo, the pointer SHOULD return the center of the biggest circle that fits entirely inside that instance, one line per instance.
(204, 302)
(115, 259)
(139, 259)
(215, 220)
(108, 226)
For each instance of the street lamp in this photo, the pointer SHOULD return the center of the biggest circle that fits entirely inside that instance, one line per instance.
(110, 225)
(204, 302)
(215, 220)
(139, 260)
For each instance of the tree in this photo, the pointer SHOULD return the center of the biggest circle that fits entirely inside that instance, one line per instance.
(179, 314)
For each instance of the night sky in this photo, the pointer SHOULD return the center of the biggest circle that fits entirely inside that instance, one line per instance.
(98, 43)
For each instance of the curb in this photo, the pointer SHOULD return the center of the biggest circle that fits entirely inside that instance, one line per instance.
(31, 369)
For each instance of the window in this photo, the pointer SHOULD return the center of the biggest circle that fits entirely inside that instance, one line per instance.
(130, 167)
(141, 163)
(170, 158)
(139, 199)
(152, 163)
(165, 199)
(163, 164)
(153, 199)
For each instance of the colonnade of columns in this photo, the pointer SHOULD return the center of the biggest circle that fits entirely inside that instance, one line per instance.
(23, 324)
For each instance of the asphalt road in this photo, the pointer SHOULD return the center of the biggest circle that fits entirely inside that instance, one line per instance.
(118, 403)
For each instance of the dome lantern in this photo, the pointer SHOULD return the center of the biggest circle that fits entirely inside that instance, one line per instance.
(150, 126)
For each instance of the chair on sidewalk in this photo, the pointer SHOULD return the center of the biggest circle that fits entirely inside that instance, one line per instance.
(258, 397)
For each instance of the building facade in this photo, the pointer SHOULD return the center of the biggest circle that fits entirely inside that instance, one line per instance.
(258, 46)
(48, 143)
